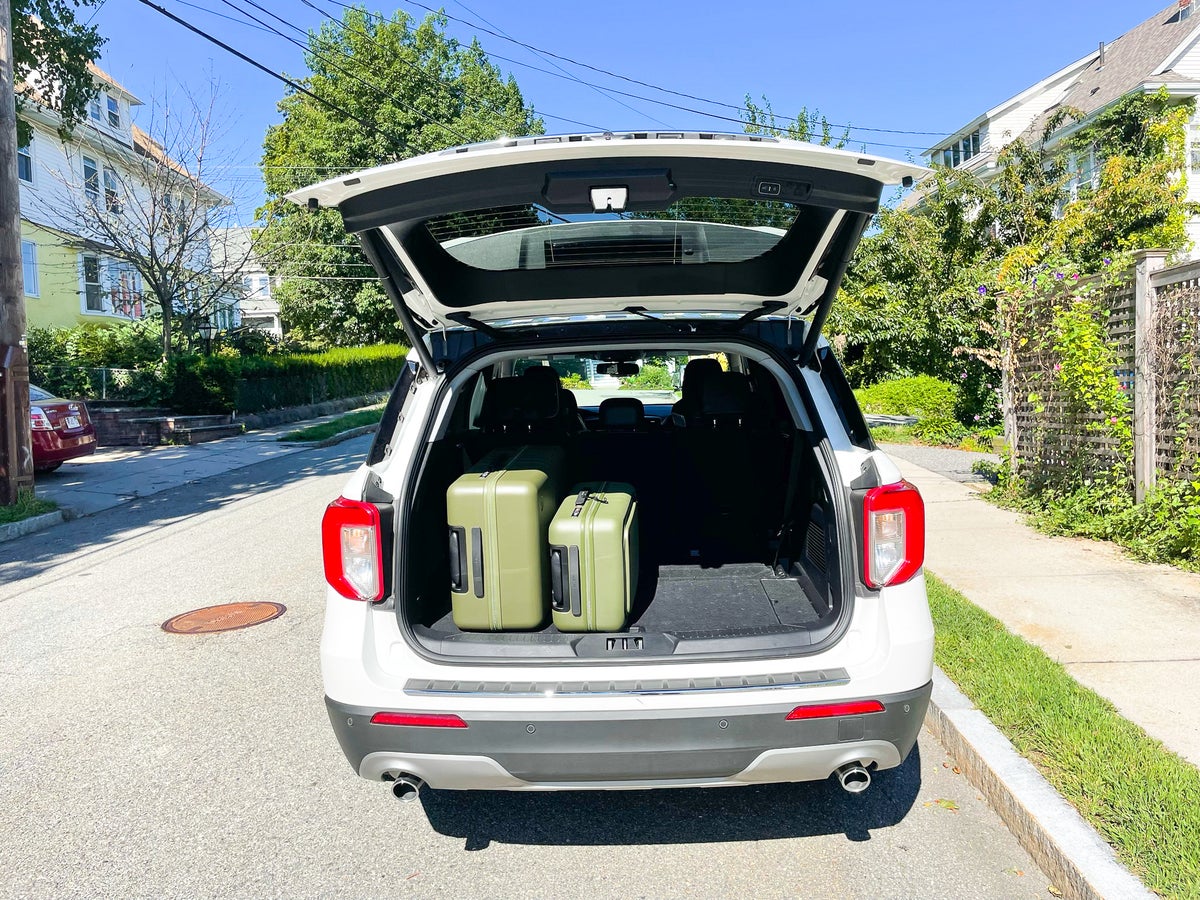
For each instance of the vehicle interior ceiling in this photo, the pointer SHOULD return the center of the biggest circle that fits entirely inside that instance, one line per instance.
(721, 549)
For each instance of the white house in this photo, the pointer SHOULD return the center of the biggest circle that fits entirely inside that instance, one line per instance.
(1161, 52)
(232, 252)
(69, 271)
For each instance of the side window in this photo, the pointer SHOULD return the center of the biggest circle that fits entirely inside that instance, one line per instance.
(391, 413)
(843, 399)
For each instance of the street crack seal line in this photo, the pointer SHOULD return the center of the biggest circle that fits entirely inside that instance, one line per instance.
(226, 617)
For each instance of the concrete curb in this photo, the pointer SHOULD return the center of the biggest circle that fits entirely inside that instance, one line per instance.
(14, 530)
(1076, 858)
(340, 436)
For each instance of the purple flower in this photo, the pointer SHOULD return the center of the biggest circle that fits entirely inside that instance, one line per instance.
(1058, 367)
(1113, 420)
(963, 376)
(1058, 276)
(1107, 261)
(982, 290)
(976, 418)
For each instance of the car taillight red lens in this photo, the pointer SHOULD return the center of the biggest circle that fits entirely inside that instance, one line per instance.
(352, 549)
(421, 720)
(894, 534)
(38, 420)
(829, 710)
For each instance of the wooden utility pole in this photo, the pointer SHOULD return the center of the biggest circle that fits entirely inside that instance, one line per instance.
(16, 452)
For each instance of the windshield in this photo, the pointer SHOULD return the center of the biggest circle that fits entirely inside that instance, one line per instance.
(655, 377)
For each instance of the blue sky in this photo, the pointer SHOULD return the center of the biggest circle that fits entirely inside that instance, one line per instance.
(902, 66)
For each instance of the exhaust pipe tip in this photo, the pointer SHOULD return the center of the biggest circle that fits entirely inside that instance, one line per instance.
(854, 778)
(406, 788)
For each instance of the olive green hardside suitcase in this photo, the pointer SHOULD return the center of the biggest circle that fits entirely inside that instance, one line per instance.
(498, 513)
(594, 557)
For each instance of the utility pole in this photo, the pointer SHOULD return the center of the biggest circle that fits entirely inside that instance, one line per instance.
(16, 451)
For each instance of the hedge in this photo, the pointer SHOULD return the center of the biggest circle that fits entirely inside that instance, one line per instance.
(223, 383)
(920, 395)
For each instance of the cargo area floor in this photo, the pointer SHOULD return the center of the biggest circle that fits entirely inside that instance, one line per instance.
(681, 598)
(741, 595)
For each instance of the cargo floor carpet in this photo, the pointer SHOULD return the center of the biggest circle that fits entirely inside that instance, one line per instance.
(688, 598)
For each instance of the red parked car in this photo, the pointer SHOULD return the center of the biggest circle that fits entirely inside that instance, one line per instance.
(62, 430)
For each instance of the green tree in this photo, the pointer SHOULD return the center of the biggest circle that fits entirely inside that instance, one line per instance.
(418, 90)
(51, 52)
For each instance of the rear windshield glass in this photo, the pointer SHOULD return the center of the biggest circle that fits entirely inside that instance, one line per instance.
(37, 394)
(694, 230)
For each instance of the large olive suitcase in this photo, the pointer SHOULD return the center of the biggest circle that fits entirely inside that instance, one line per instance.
(498, 513)
(594, 557)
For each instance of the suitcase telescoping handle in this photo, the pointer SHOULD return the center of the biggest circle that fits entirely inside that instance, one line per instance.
(458, 560)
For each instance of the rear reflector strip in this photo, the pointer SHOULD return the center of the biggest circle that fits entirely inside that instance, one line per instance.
(421, 720)
(829, 710)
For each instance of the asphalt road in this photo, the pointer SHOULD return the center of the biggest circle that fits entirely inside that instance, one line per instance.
(139, 763)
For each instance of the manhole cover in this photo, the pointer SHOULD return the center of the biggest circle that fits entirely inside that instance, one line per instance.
(226, 617)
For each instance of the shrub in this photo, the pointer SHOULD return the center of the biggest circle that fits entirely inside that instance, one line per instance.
(574, 382)
(205, 385)
(920, 395)
(650, 378)
(939, 429)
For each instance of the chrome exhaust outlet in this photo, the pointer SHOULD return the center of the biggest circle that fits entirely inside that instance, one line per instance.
(854, 778)
(406, 788)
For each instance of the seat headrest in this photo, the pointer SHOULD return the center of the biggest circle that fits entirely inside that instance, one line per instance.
(519, 401)
(697, 371)
(622, 413)
(548, 374)
(727, 394)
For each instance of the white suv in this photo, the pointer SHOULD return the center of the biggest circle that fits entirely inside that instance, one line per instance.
(780, 630)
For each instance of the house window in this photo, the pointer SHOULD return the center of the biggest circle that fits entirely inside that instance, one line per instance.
(29, 268)
(264, 286)
(25, 164)
(112, 197)
(92, 288)
(125, 290)
(94, 108)
(114, 112)
(91, 179)
(960, 151)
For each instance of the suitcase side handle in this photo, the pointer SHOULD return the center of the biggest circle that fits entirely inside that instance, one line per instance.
(477, 560)
(458, 560)
(558, 579)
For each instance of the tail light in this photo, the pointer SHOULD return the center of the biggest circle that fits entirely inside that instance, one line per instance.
(38, 420)
(894, 534)
(352, 549)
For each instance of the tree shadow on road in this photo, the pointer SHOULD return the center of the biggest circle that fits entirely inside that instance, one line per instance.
(35, 553)
(675, 816)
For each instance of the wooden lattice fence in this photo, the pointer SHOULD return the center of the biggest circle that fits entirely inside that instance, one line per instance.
(1152, 323)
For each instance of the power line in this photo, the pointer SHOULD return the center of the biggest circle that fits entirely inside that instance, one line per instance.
(595, 88)
(308, 47)
(646, 84)
(461, 96)
(296, 86)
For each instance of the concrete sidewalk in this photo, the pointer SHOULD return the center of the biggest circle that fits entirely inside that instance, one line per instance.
(1127, 630)
(116, 475)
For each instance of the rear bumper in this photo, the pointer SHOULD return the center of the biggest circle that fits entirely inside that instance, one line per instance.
(630, 749)
(52, 447)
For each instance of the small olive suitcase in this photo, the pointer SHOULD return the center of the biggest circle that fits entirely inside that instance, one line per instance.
(498, 513)
(594, 557)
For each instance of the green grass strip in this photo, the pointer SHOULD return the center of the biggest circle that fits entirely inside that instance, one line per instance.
(1141, 797)
(26, 507)
(336, 426)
